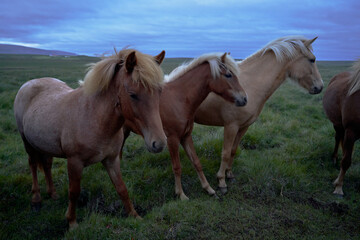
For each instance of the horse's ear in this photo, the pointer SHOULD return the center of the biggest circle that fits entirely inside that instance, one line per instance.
(159, 58)
(309, 42)
(223, 57)
(228, 53)
(131, 62)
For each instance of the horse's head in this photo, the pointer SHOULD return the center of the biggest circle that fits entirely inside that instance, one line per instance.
(140, 80)
(303, 70)
(226, 83)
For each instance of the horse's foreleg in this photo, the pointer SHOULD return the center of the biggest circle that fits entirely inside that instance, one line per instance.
(173, 146)
(75, 168)
(349, 141)
(230, 132)
(339, 137)
(239, 135)
(112, 166)
(125, 131)
(188, 145)
(47, 164)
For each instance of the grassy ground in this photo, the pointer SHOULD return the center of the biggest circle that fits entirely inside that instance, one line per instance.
(283, 168)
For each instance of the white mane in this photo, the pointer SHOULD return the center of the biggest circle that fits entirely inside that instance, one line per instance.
(214, 60)
(284, 48)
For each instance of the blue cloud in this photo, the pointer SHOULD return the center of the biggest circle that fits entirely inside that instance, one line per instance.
(183, 28)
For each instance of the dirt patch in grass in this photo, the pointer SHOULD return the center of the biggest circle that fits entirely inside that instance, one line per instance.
(334, 207)
(114, 208)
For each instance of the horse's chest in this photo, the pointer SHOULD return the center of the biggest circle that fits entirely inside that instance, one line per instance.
(101, 153)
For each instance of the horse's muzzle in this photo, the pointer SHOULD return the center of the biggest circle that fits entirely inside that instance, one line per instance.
(239, 102)
(316, 89)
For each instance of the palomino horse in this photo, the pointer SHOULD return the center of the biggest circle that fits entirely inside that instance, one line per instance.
(84, 125)
(260, 75)
(186, 87)
(342, 106)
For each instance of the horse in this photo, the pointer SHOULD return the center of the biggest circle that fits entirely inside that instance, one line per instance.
(84, 125)
(341, 104)
(260, 74)
(184, 90)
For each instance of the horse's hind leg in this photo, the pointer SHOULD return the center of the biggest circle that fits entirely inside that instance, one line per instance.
(339, 137)
(230, 133)
(349, 141)
(47, 164)
(35, 189)
(33, 159)
(240, 134)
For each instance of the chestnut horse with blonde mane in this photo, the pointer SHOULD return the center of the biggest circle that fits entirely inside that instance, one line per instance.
(260, 75)
(342, 106)
(84, 125)
(186, 87)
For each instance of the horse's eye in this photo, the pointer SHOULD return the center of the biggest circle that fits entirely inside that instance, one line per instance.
(228, 75)
(312, 60)
(134, 96)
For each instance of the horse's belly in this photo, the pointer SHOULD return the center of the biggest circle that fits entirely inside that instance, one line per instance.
(43, 135)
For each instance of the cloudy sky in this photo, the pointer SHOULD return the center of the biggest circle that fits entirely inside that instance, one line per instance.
(183, 28)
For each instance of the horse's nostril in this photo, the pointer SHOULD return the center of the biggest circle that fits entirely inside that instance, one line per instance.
(317, 89)
(241, 102)
(156, 147)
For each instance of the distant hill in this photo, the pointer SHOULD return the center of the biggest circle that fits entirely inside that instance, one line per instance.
(16, 49)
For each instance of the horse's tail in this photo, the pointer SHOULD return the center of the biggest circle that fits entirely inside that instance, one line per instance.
(354, 81)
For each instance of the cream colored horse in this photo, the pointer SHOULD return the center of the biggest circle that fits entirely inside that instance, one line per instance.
(260, 75)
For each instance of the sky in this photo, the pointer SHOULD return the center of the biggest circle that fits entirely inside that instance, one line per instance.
(182, 28)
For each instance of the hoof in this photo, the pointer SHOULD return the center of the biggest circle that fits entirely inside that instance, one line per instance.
(338, 192)
(134, 214)
(54, 196)
(223, 190)
(73, 225)
(36, 207)
(232, 180)
(183, 197)
(215, 196)
(339, 196)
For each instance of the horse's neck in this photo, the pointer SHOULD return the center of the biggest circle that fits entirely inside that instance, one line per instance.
(101, 109)
(192, 87)
(261, 77)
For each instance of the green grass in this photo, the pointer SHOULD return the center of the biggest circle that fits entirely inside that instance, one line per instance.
(283, 168)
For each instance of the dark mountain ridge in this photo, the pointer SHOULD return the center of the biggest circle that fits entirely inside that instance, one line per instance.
(17, 49)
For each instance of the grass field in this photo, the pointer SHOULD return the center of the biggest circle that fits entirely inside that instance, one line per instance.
(283, 168)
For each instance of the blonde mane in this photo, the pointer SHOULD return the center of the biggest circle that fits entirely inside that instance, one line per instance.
(99, 75)
(284, 48)
(354, 80)
(214, 60)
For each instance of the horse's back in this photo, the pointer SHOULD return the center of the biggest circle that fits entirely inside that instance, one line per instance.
(37, 90)
(334, 97)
